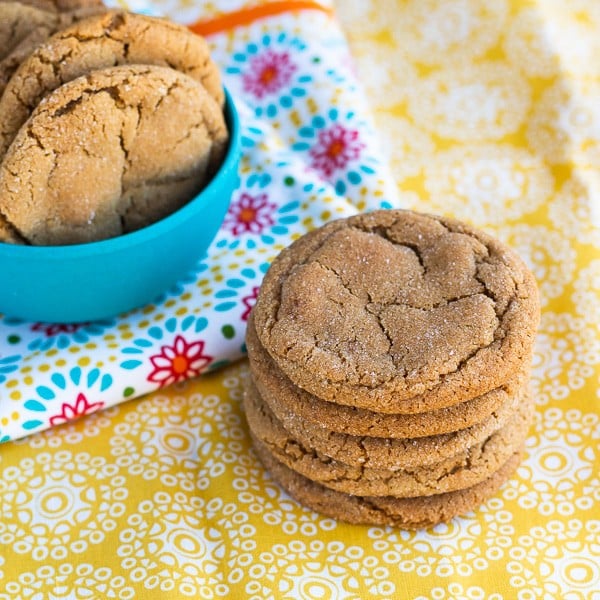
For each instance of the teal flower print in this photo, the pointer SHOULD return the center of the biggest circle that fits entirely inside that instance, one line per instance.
(270, 75)
(60, 398)
(334, 149)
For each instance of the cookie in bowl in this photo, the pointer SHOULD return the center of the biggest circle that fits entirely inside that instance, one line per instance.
(107, 39)
(103, 279)
(148, 137)
(120, 156)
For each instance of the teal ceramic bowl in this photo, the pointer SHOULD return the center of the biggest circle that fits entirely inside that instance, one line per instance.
(98, 280)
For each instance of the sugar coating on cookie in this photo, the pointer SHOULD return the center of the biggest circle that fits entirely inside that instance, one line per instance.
(101, 41)
(383, 307)
(285, 398)
(37, 36)
(109, 153)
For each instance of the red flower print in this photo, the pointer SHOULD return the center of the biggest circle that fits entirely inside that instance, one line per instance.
(249, 302)
(182, 360)
(335, 148)
(52, 329)
(269, 72)
(80, 408)
(250, 214)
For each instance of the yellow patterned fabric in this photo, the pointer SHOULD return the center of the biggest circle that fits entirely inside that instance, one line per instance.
(489, 112)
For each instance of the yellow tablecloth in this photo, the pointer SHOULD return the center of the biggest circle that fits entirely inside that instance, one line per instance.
(489, 112)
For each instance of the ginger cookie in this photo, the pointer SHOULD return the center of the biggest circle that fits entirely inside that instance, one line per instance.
(71, 5)
(109, 153)
(395, 311)
(45, 5)
(8, 233)
(463, 470)
(60, 5)
(407, 513)
(106, 40)
(289, 401)
(10, 63)
(387, 453)
(17, 21)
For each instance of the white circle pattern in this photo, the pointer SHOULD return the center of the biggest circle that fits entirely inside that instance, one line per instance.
(479, 102)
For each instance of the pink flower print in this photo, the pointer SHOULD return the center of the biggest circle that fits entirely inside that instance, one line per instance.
(250, 214)
(249, 302)
(182, 360)
(269, 72)
(335, 148)
(69, 411)
(52, 329)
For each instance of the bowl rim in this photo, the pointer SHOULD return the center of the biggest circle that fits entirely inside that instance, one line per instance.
(152, 231)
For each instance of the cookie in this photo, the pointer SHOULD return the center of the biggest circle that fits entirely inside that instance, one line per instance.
(8, 233)
(10, 63)
(407, 513)
(17, 21)
(45, 5)
(71, 5)
(106, 40)
(394, 311)
(460, 471)
(387, 453)
(54, 22)
(109, 153)
(288, 401)
(60, 5)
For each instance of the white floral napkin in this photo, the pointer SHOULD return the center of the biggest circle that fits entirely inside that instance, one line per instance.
(310, 154)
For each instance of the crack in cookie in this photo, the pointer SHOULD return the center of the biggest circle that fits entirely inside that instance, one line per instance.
(103, 125)
(110, 39)
(378, 309)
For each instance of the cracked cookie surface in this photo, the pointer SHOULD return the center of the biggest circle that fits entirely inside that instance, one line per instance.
(407, 513)
(37, 36)
(465, 469)
(109, 39)
(284, 398)
(109, 153)
(394, 306)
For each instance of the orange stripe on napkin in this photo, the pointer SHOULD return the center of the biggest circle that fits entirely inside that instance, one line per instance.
(245, 16)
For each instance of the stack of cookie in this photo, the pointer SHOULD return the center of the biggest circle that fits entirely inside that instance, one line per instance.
(109, 121)
(390, 356)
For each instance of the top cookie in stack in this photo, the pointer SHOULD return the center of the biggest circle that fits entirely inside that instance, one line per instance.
(130, 102)
(389, 359)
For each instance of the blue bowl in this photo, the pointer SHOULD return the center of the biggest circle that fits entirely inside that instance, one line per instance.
(98, 280)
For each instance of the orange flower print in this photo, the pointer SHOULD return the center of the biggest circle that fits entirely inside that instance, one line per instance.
(183, 360)
(250, 214)
(335, 148)
(269, 72)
